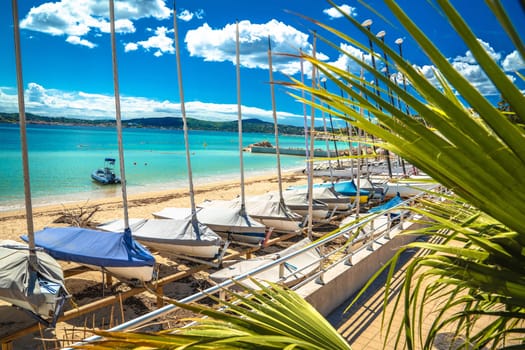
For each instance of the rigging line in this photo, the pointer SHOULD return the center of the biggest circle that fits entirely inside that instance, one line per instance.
(194, 221)
(118, 116)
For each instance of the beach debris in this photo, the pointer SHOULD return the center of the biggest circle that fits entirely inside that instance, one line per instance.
(79, 217)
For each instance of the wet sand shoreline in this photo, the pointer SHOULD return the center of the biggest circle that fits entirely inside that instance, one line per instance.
(13, 222)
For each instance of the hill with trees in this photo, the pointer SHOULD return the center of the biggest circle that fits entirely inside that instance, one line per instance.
(249, 125)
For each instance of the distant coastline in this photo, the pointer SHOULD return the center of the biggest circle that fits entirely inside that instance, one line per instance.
(249, 125)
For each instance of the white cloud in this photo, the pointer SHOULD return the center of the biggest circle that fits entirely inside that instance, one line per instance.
(78, 104)
(218, 45)
(131, 47)
(186, 15)
(513, 62)
(77, 19)
(467, 66)
(346, 63)
(468, 58)
(8, 99)
(332, 12)
(160, 43)
(75, 40)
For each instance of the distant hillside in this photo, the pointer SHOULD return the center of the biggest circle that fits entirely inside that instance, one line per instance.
(248, 125)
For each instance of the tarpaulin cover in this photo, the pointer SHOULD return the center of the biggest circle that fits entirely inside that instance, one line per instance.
(92, 247)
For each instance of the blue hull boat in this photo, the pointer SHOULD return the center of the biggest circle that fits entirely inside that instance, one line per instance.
(114, 252)
(345, 188)
(106, 175)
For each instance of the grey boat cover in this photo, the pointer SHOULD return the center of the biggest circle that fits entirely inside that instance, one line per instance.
(16, 286)
(173, 232)
(299, 198)
(222, 216)
(268, 205)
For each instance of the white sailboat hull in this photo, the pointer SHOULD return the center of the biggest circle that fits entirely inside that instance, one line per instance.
(293, 271)
(170, 236)
(279, 225)
(140, 273)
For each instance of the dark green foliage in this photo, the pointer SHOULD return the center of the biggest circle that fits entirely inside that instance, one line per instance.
(249, 125)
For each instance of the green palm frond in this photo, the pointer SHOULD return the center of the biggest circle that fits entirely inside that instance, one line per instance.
(271, 317)
(470, 281)
(477, 267)
(461, 141)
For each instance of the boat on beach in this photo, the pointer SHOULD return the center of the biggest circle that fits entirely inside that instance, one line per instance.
(39, 291)
(345, 188)
(378, 224)
(295, 269)
(411, 186)
(271, 211)
(29, 278)
(106, 175)
(171, 237)
(298, 202)
(114, 252)
(223, 217)
(336, 202)
(377, 189)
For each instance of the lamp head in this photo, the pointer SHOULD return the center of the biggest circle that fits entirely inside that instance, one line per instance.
(367, 23)
(381, 34)
(399, 41)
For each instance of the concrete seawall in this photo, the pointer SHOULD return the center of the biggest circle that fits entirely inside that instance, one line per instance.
(290, 151)
(344, 280)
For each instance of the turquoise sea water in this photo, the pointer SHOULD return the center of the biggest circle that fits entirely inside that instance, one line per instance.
(61, 159)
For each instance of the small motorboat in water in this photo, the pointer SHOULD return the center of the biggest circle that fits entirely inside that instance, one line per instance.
(106, 175)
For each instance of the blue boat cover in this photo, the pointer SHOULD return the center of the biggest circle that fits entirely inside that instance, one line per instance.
(346, 188)
(387, 205)
(98, 248)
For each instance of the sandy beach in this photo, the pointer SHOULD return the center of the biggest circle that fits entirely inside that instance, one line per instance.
(13, 223)
(86, 286)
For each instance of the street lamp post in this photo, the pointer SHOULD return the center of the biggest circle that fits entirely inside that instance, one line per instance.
(323, 80)
(399, 43)
(368, 24)
(381, 35)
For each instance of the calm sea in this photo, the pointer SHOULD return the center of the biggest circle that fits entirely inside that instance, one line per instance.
(61, 159)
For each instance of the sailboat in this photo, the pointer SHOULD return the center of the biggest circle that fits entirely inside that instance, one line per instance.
(171, 237)
(267, 209)
(336, 202)
(345, 188)
(29, 278)
(295, 269)
(298, 201)
(114, 252)
(377, 224)
(231, 221)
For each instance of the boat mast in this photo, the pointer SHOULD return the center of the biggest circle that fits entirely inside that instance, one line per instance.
(309, 157)
(327, 143)
(312, 140)
(118, 116)
(23, 139)
(239, 114)
(276, 127)
(305, 119)
(194, 221)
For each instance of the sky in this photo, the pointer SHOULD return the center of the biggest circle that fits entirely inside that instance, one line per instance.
(67, 64)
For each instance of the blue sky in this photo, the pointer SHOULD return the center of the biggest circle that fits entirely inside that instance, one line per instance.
(67, 56)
